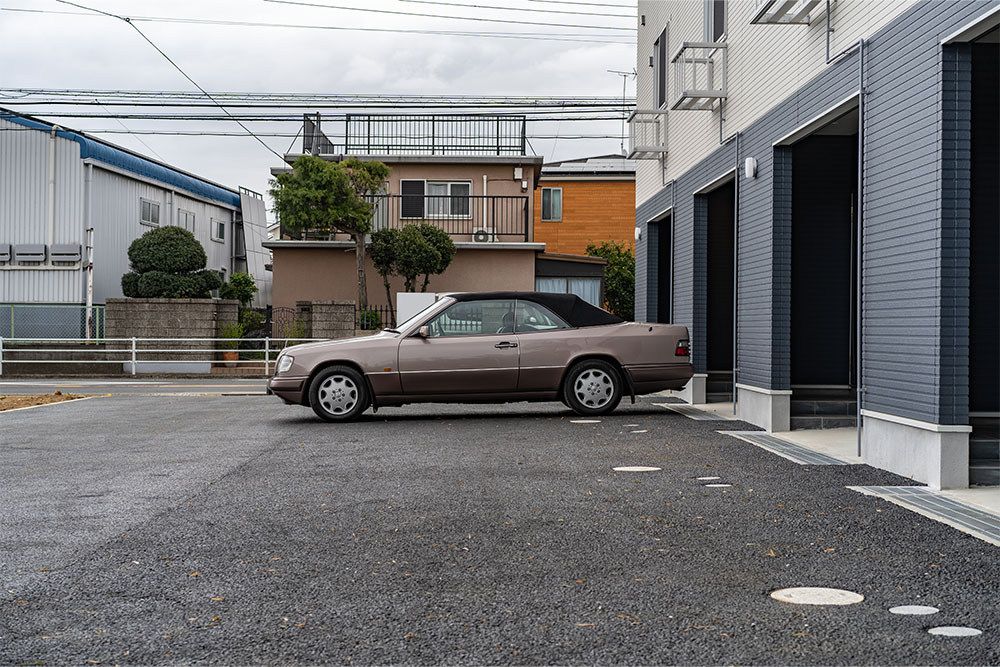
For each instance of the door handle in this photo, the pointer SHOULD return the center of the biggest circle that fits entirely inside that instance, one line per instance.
(505, 345)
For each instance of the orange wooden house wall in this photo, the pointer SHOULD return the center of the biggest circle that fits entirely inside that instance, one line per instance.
(593, 211)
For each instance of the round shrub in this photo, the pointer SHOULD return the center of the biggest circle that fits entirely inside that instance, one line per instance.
(167, 249)
(130, 285)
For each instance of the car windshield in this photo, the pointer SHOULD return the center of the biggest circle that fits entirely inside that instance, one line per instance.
(402, 326)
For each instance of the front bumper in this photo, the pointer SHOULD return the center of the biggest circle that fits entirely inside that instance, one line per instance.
(288, 389)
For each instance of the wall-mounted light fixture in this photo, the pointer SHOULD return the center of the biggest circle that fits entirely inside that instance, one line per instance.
(638, 233)
(750, 167)
(642, 20)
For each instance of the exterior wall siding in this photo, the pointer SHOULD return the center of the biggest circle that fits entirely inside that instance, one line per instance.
(592, 212)
(24, 206)
(766, 64)
(915, 349)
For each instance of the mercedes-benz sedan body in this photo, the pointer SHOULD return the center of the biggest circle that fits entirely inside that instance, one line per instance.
(490, 347)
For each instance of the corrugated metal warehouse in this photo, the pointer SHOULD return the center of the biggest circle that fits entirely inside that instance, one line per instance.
(56, 184)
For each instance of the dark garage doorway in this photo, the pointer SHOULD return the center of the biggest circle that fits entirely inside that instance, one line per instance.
(664, 270)
(719, 286)
(984, 232)
(824, 232)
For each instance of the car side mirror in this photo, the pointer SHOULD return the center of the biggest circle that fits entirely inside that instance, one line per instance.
(424, 331)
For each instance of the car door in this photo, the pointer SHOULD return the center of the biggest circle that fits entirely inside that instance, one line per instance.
(471, 349)
(544, 344)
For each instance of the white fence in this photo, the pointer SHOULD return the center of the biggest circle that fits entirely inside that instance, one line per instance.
(148, 354)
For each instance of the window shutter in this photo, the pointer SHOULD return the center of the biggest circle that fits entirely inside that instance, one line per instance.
(413, 198)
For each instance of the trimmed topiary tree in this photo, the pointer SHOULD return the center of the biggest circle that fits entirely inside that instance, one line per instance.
(168, 263)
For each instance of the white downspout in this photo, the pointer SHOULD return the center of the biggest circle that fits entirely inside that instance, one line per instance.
(484, 205)
(89, 256)
(52, 187)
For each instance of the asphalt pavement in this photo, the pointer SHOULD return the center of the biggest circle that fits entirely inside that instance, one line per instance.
(237, 530)
(138, 386)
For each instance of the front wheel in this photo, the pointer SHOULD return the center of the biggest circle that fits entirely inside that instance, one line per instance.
(593, 387)
(338, 394)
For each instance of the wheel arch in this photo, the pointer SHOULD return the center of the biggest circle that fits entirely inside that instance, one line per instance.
(622, 373)
(307, 390)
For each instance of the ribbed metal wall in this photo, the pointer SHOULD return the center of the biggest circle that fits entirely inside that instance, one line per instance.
(24, 178)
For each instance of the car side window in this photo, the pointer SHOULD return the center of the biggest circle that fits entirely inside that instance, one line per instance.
(474, 318)
(536, 317)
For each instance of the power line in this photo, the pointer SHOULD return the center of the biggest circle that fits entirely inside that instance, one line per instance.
(285, 118)
(544, 37)
(176, 66)
(518, 9)
(285, 135)
(588, 4)
(445, 16)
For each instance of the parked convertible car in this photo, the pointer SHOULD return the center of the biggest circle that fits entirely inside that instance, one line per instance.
(492, 347)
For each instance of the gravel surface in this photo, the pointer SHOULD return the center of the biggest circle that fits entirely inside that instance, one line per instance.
(237, 530)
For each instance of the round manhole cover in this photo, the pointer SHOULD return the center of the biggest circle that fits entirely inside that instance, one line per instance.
(913, 610)
(636, 469)
(955, 631)
(817, 596)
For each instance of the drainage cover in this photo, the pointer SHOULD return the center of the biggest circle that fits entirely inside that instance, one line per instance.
(914, 610)
(584, 421)
(636, 469)
(817, 596)
(955, 631)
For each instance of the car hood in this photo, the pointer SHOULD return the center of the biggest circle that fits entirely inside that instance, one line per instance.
(357, 341)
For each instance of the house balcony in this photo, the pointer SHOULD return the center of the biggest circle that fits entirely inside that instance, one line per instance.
(786, 12)
(647, 134)
(699, 75)
(421, 135)
(475, 218)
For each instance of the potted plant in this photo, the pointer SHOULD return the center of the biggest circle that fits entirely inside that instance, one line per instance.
(230, 353)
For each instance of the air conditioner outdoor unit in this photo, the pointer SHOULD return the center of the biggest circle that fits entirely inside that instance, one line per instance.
(484, 235)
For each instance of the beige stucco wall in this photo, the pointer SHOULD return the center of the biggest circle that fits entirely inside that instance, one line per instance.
(315, 274)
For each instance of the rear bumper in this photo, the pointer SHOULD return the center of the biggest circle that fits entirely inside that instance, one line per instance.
(649, 378)
(288, 389)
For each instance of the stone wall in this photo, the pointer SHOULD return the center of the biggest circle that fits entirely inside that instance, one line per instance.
(170, 318)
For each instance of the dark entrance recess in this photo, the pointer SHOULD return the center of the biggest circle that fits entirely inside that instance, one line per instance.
(984, 233)
(719, 264)
(664, 268)
(824, 197)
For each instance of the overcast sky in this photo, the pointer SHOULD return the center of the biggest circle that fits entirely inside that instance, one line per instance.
(74, 51)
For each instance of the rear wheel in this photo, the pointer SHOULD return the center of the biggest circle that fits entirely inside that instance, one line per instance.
(338, 394)
(593, 387)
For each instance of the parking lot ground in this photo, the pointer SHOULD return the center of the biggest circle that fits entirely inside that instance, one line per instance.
(237, 530)
(140, 385)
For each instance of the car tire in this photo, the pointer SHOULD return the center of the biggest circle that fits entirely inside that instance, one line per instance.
(338, 394)
(593, 387)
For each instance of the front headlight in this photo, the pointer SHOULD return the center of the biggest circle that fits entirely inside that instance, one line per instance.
(285, 363)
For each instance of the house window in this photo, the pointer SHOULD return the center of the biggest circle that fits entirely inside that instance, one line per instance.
(551, 204)
(185, 219)
(588, 289)
(435, 199)
(218, 230)
(149, 212)
(715, 23)
(660, 69)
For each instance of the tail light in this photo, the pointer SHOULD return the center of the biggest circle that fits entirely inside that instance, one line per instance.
(683, 348)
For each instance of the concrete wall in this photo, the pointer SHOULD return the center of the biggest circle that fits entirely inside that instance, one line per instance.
(170, 318)
(325, 273)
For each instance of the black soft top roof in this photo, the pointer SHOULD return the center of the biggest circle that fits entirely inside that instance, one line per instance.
(573, 309)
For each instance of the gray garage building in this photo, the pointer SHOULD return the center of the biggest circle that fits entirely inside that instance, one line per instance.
(818, 199)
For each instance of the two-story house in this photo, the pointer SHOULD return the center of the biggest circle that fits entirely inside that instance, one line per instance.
(471, 175)
(816, 198)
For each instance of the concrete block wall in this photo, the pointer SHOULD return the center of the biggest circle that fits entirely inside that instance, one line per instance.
(327, 319)
(169, 318)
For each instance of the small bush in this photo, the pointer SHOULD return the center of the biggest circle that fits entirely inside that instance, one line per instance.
(240, 287)
(369, 319)
(252, 320)
(130, 285)
(168, 249)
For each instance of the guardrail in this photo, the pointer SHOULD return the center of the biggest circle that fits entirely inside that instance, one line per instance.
(132, 352)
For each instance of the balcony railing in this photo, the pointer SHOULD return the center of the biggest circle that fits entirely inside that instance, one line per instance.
(647, 134)
(485, 219)
(785, 12)
(451, 135)
(699, 75)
